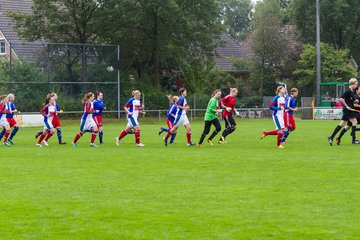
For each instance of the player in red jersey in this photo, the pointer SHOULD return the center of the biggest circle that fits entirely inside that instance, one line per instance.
(9, 105)
(99, 105)
(228, 104)
(48, 111)
(3, 121)
(87, 122)
(56, 121)
(290, 107)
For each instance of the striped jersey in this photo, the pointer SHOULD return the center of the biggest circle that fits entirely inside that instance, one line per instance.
(133, 106)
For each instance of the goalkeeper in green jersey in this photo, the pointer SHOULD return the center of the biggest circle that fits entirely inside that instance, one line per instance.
(211, 118)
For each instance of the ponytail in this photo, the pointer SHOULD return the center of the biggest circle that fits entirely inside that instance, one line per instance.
(87, 96)
(47, 99)
(279, 89)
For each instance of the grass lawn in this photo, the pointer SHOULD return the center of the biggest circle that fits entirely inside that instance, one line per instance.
(246, 189)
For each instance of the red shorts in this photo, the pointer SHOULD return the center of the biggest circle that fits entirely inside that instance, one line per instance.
(170, 124)
(98, 120)
(56, 121)
(11, 121)
(289, 121)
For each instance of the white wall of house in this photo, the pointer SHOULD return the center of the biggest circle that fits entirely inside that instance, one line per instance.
(5, 48)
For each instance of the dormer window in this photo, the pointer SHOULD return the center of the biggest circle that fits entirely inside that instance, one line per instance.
(2, 47)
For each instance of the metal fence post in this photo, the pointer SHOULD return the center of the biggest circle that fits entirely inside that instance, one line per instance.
(194, 107)
(118, 81)
(48, 66)
(11, 70)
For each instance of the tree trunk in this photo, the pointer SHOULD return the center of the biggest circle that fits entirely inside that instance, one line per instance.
(261, 88)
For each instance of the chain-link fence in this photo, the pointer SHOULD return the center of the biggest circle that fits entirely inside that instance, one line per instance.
(31, 70)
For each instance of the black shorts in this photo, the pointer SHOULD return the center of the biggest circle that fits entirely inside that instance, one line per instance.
(357, 116)
(347, 115)
(229, 121)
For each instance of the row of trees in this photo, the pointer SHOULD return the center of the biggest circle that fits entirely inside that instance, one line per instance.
(172, 42)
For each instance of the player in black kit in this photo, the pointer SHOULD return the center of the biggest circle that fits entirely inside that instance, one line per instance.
(347, 100)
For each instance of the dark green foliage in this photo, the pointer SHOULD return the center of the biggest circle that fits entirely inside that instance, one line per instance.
(335, 67)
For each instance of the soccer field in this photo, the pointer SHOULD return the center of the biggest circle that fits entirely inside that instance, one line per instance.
(246, 189)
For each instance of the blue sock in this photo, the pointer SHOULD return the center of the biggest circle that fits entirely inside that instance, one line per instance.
(2, 133)
(164, 129)
(172, 138)
(101, 136)
(286, 134)
(59, 135)
(14, 131)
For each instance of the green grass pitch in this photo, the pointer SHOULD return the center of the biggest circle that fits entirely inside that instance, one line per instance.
(246, 189)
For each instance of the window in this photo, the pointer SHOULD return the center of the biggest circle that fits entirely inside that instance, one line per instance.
(2, 47)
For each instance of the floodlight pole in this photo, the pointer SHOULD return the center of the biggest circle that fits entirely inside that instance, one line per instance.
(318, 54)
(118, 80)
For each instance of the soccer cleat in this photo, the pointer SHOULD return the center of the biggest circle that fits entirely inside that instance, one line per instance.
(355, 142)
(93, 145)
(11, 141)
(62, 143)
(102, 143)
(338, 140)
(6, 144)
(38, 145)
(172, 142)
(117, 141)
(262, 135)
(280, 146)
(223, 139)
(160, 131)
(330, 141)
(45, 143)
(37, 135)
(221, 142)
(199, 145)
(190, 144)
(165, 142)
(73, 144)
(140, 145)
(210, 142)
